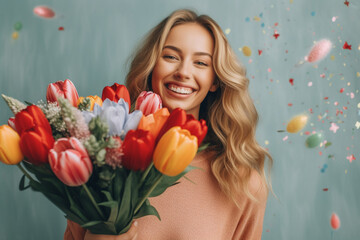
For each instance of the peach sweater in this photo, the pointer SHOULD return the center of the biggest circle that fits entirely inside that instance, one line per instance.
(199, 211)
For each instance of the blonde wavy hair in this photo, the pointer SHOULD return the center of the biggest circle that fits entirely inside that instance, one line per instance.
(230, 110)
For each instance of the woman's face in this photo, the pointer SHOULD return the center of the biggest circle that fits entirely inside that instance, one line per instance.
(184, 74)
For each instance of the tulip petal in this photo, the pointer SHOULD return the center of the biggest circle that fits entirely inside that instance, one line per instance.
(34, 148)
(70, 92)
(186, 152)
(10, 152)
(132, 120)
(78, 146)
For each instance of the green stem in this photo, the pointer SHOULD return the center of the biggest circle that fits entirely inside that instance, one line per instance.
(25, 172)
(146, 173)
(148, 193)
(93, 200)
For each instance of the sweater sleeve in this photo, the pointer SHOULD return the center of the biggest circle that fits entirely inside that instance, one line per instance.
(250, 224)
(74, 231)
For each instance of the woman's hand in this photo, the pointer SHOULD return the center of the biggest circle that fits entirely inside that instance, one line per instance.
(129, 235)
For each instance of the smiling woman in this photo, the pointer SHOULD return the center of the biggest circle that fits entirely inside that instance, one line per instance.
(183, 75)
(187, 60)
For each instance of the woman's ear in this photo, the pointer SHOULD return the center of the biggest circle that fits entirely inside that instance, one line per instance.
(215, 86)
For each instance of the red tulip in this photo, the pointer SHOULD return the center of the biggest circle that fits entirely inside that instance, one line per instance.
(70, 161)
(65, 89)
(115, 92)
(35, 134)
(177, 117)
(148, 102)
(138, 147)
(196, 128)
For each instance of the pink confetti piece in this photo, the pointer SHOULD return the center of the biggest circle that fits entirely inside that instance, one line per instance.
(285, 138)
(322, 75)
(351, 158)
(334, 127)
(310, 84)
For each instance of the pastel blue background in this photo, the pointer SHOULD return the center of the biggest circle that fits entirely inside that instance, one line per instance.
(93, 50)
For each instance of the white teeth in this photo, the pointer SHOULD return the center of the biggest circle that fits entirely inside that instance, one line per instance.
(181, 90)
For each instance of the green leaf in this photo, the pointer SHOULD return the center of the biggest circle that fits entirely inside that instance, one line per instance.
(126, 209)
(22, 186)
(203, 147)
(90, 224)
(113, 205)
(74, 207)
(147, 209)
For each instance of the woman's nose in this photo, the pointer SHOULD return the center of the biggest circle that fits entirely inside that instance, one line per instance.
(183, 71)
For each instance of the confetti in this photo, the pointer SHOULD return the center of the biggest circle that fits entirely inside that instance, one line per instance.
(276, 35)
(342, 90)
(260, 52)
(351, 158)
(357, 124)
(346, 2)
(334, 19)
(285, 138)
(322, 75)
(310, 84)
(227, 31)
(61, 28)
(313, 13)
(325, 189)
(334, 127)
(334, 221)
(347, 46)
(15, 35)
(291, 81)
(18, 26)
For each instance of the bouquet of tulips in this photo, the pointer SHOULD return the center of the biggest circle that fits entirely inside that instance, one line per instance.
(97, 159)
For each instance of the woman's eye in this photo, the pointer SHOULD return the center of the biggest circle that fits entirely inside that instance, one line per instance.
(201, 63)
(170, 57)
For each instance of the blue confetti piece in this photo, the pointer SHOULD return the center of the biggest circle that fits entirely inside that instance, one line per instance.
(313, 13)
(247, 19)
(322, 170)
(263, 25)
(261, 15)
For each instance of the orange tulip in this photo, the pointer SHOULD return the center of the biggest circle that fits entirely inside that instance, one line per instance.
(93, 99)
(154, 122)
(10, 152)
(174, 152)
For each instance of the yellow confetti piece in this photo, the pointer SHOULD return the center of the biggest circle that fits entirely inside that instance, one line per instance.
(246, 51)
(345, 171)
(291, 1)
(348, 83)
(357, 124)
(359, 47)
(256, 18)
(358, 74)
(15, 35)
(332, 57)
(266, 142)
(227, 31)
(331, 75)
(358, 105)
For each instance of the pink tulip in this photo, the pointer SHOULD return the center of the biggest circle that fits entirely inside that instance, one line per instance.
(65, 89)
(70, 161)
(148, 102)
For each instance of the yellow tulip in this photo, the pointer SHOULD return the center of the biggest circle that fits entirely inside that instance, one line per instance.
(93, 100)
(174, 152)
(10, 152)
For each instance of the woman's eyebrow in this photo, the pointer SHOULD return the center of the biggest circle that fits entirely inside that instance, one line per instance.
(179, 51)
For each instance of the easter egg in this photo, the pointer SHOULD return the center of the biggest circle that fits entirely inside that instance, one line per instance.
(44, 12)
(314, 140)
(319, 50)
(297, 123)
